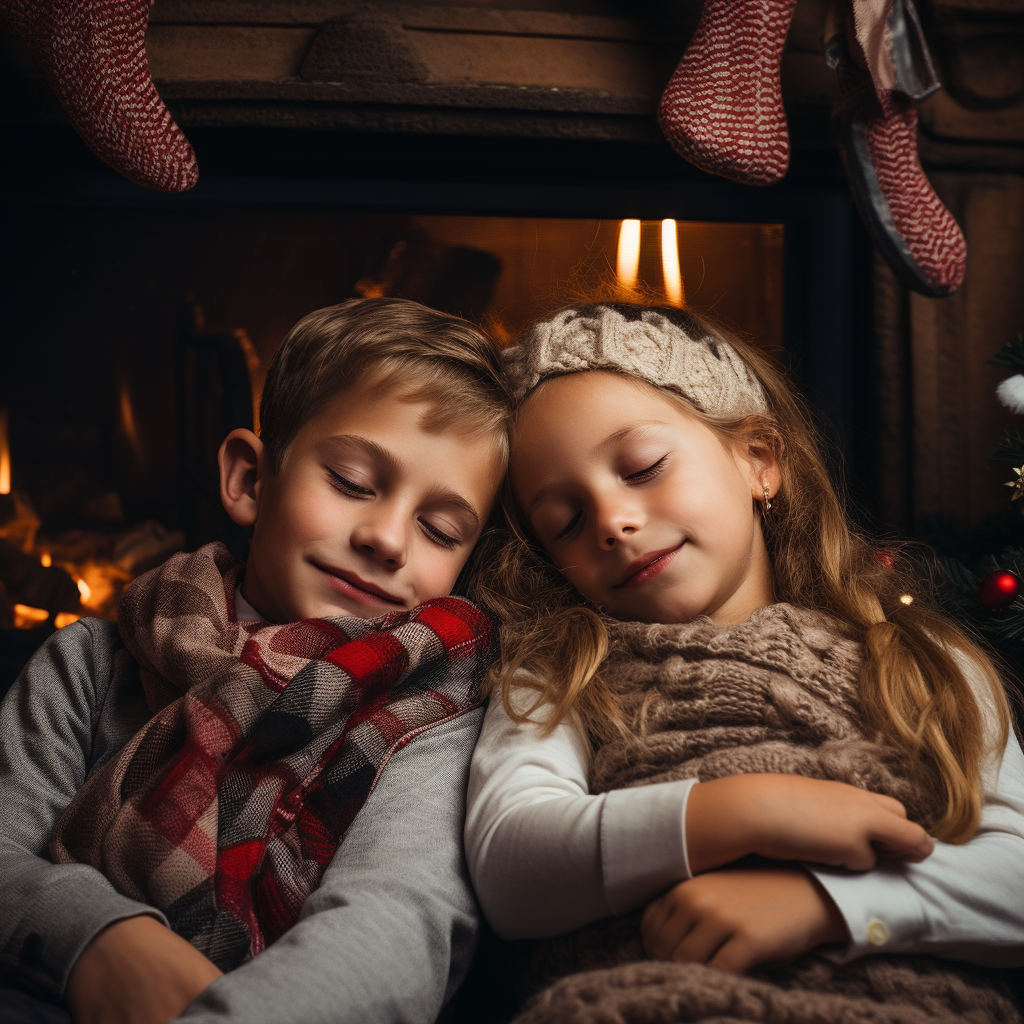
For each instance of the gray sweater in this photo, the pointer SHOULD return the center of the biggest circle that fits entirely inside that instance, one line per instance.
(388, 935)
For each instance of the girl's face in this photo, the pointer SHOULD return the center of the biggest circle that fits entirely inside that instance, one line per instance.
(640, 505)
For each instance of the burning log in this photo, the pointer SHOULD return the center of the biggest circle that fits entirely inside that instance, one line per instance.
(28, 582)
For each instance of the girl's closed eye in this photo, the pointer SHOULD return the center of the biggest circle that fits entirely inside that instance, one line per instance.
(570, 526)
(648, 473)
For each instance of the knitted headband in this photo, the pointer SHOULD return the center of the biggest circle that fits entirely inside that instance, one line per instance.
(643, 343)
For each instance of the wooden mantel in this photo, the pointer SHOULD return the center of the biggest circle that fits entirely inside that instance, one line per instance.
(559, 69)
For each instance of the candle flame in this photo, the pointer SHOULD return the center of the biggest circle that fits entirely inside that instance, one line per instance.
(45, 560)
(670, 270)
(627, 264)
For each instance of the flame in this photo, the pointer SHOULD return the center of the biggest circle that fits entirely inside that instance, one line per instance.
(627, 263)
(45, 560)
(25, 616)
(65, 619)
(85, 590)
(128, 422)
(670, 271)
(5, 455)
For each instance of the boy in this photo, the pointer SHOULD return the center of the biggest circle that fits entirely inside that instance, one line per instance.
(383, 441)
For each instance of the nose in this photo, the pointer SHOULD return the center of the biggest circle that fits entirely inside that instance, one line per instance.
(381, 535)
(615, 520)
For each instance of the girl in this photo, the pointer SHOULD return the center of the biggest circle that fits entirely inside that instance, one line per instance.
(705, 665)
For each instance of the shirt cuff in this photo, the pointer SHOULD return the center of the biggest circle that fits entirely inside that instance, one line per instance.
(883, 913)
(643, 842)
(44, 952)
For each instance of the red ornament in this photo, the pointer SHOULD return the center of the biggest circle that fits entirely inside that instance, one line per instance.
(886, 557)
(997, 589)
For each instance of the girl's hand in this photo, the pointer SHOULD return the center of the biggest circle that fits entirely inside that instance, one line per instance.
(789, 817)
(136, 971)
(735, 920)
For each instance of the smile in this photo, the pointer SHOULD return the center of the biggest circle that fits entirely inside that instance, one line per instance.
(646, 567)
(352, 585)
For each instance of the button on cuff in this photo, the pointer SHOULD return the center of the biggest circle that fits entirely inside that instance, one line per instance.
(878, 933)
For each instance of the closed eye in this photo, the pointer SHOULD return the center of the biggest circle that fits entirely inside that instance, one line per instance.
(346, 486)
(649, 473)
(569, 527)
(439, 536)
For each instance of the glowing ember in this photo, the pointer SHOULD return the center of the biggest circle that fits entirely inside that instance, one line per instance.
(65, 619)
(45, 559)
(25, 617)
(5, 455)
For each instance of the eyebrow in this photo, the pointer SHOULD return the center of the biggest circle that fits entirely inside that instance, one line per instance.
(609, 442)
(341, 444)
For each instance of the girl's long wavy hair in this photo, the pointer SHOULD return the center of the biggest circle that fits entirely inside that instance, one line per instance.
(914, 688)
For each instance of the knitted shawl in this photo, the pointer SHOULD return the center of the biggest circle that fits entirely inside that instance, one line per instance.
(265, 741)
(778, 693)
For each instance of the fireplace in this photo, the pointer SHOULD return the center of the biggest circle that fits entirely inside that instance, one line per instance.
(139, 325)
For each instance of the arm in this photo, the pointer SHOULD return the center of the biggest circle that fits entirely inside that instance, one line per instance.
(963, 902)
(50, 737)
(546, 856)
(389, 933)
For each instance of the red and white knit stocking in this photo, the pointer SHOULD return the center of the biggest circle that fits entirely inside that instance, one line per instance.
(93, 53)
(877, 136)
(722, 108)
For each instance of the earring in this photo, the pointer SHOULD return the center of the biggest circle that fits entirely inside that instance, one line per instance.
(767, 498)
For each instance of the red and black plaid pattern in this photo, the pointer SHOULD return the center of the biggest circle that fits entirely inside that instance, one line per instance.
(93, 53)
(722, 109)
(225, 808)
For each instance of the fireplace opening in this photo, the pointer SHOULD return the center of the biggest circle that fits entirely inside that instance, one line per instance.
(148, 336)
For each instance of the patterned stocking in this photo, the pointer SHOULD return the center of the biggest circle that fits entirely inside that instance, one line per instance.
(93, 53)
(722, 108)
(876, 131)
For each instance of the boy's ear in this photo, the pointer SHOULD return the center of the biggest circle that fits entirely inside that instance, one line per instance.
(240, 458)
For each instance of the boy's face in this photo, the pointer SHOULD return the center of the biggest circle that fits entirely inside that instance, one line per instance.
(369, 514)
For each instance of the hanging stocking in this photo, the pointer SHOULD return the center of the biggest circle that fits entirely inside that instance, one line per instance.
(722, 108)
(883, 67)
(93, 53)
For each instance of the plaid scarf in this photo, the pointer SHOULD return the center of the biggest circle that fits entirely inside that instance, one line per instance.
(265, 741)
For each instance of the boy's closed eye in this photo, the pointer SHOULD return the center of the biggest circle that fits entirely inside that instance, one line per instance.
(450, 518)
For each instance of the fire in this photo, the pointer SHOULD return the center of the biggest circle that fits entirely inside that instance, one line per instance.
(45, 560)
(25, 616)
(5, 454)
(627, 264)
(85, 590)
(670, 270)
(128, 423)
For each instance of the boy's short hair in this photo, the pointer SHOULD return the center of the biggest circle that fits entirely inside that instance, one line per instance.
(395, 345)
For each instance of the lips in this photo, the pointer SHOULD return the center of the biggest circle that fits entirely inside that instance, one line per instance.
(353, 585)
(643, 569)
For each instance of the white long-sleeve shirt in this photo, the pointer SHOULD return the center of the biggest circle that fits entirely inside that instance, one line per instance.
(547, 856)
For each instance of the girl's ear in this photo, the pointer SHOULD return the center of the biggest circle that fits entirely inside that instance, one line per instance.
(760, 455)
(240, 458)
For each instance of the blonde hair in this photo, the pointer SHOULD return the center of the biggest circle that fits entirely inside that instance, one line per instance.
(397, 346)
(914, 688)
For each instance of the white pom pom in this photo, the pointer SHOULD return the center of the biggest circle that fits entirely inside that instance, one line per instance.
(1011, 393)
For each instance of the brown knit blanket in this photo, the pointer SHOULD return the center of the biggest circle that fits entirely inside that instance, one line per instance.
(225, 808)
(778, 693)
